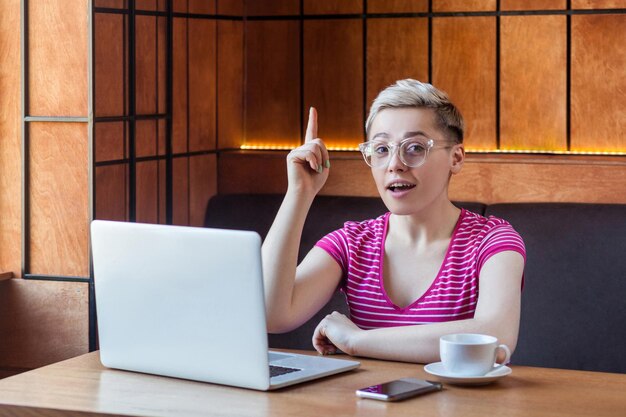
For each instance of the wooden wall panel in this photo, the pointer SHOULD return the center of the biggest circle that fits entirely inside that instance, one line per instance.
(42, 322)
(530, 179)
(10, 138)
(272, 7)
(146, 64)
(202, 186)
(111, 192)
(333, 78)
(464, 66)
(397, 6)
(109, 141)
(532, 4)
(272, 83)
(533, 56)
(59, 215)
(598, 4)
(484, 178)
(332, 6)
(202, 6)
(463, 5)
(145, 138)
(202, 75)
(161, 64)
(230, 7)
(180, 168)
(598, 113)
(180, 87)
(115, 4)
(58, 58)
(109, 64)
(230, 84)
(396, 49)
(147, 192)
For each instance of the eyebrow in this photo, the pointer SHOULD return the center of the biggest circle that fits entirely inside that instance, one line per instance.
(407, 135)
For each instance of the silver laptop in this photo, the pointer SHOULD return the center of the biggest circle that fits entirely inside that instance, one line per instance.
(188, 302)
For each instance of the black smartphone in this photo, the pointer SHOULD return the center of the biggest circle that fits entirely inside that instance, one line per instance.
(398, 389)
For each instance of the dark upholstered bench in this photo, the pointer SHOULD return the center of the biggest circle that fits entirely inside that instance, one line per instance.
(574, 299)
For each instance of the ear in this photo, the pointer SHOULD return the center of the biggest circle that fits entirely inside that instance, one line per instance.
(457, 158)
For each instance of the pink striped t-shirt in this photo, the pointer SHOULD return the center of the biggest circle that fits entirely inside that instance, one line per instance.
(359, 249)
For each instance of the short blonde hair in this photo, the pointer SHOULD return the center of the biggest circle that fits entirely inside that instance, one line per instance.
(413, 93)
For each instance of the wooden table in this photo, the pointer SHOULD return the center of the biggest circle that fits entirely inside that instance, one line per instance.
(82, 384)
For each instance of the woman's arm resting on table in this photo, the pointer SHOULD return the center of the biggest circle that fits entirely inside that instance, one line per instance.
(497, 314)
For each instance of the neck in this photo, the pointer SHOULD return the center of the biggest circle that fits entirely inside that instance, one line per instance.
(433, 223)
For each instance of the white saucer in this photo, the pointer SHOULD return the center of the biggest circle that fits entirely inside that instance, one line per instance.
(440, 372)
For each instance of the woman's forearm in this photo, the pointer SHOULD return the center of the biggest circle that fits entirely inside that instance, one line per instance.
(420, 343)
(280, 257)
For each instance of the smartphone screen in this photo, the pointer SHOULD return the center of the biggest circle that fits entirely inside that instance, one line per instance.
(398, 389)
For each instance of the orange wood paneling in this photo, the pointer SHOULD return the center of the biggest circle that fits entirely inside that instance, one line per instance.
(202, 6)
(397, 6)
(230, 7)
(111, 194)
(396, 49)
(161, 64)
(333, 78)
(484, 178)
(272, 7)
(145, 138)
(58, 57)
(147, 192)
(202, 186)
(533, 4)
(180, 85)
(531, 179)
(10, 138)
(180, 191)
(162, 191)
(109, 141)
(464, 66)
(116, 4)
(272, 83)
(59, 215)
(202, 82)
(230, 84)
(146, 64)
(147, 4)
(180, 6)
(598, 4)
(598, 90)
(463, 5)
(332, 6)
(108, 64)
(42, 322)
(533, 56)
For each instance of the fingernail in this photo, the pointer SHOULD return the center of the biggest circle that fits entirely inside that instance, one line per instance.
(327, 163)
(320, 169)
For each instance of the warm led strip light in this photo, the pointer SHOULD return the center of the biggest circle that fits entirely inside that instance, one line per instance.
(469, 150)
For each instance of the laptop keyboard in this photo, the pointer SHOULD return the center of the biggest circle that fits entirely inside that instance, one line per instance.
(281, 370)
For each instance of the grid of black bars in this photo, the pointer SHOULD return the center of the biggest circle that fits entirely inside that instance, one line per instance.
(131, 118)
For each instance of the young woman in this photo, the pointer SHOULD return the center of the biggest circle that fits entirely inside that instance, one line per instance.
(424, 269)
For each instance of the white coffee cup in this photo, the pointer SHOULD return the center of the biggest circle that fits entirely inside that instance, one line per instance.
(467, 354)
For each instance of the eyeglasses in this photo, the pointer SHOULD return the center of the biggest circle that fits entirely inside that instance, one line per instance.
(412, 152)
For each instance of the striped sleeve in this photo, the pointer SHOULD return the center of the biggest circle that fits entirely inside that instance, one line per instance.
(502, 237)
(336, 245)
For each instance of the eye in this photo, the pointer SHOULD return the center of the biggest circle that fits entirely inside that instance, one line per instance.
(380, 149)
(414, 147)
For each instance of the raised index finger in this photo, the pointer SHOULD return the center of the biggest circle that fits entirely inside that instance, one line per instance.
(311, 128)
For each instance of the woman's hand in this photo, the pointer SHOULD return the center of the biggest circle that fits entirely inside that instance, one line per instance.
(334, 332)
(307, 165)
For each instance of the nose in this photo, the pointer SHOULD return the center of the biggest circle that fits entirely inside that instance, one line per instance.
(395, 164)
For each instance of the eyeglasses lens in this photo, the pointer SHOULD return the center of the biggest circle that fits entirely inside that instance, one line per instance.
(378, 154)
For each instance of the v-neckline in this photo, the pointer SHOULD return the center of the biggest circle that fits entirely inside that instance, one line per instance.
(435, 280)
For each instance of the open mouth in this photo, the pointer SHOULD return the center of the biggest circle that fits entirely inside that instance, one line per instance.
(395, 187)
